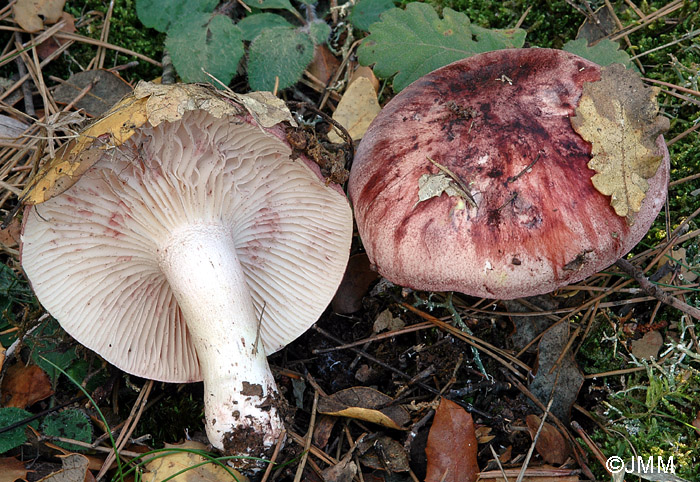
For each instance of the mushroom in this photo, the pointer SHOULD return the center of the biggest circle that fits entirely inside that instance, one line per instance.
(195, 246)
(473, 178)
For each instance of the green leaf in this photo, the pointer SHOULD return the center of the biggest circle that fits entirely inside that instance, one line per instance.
(271, 4)
(605, 52)
(366, 12)
(46, 344)
(212, 43)
(413, 42)
(278, 52)
(319, 31)
(253, 25)
(16, 437)
(161, 14)
(69, 423)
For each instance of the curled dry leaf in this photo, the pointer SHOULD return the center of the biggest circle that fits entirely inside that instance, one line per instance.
(618, 115)
(31, 15)
(166, 467)
(151, 103)
(24, 385)
(452, 447)
(366, 404)
(551, 444)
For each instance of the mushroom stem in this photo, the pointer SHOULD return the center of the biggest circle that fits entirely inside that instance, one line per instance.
(201, 265)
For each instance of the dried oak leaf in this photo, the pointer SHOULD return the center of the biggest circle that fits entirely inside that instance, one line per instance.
(618, 115)
(452, 446)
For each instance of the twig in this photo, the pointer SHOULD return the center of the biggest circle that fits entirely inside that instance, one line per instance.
(128, 429)
(275, 454)
(653, 290)
(307, 443)
(26, 88)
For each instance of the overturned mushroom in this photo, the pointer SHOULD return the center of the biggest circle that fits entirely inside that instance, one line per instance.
(193, 247)
(474, 179)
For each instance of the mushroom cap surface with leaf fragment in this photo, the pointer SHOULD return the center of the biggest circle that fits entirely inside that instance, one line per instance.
(494, 176)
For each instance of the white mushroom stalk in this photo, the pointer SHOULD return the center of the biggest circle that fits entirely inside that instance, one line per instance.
(191, 252)
(200, 263)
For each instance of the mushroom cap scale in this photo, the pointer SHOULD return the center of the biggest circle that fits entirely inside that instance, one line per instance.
(92, 253)
(499, 122)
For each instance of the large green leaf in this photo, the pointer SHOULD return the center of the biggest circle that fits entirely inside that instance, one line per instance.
(412, 42)
(366, 12)
(209, 42)
(252, 25)
(603, 53)
(270, 4)
(16, 437)
(278, 52)
(161, 14)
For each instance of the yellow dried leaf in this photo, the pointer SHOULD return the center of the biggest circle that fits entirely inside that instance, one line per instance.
(32, 14)
(167, 466)
(81, 153)
(357, 109)
(363, 403)
(618, 115)
(152, 103)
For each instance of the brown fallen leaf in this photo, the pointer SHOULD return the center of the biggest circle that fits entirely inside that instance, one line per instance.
(387, 321)
(367, 72)
(551, 443)
(343, 471)
(618, 115)
(356, 110)
(324, 64)
(358, 276)
(452, 447)
(363, 403)
(648, 346)
(9, 236)
(49, 46)
(322, 430)
(696, 423)
(167, 466)
(108, 89)
(382, 452)
(24, 385)
(31, 15)
(75, 469)
(12, 470)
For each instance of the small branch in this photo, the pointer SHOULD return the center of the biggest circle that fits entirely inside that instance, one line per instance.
(653, 290)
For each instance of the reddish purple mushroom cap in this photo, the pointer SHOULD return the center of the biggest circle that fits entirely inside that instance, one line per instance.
(499, 123)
